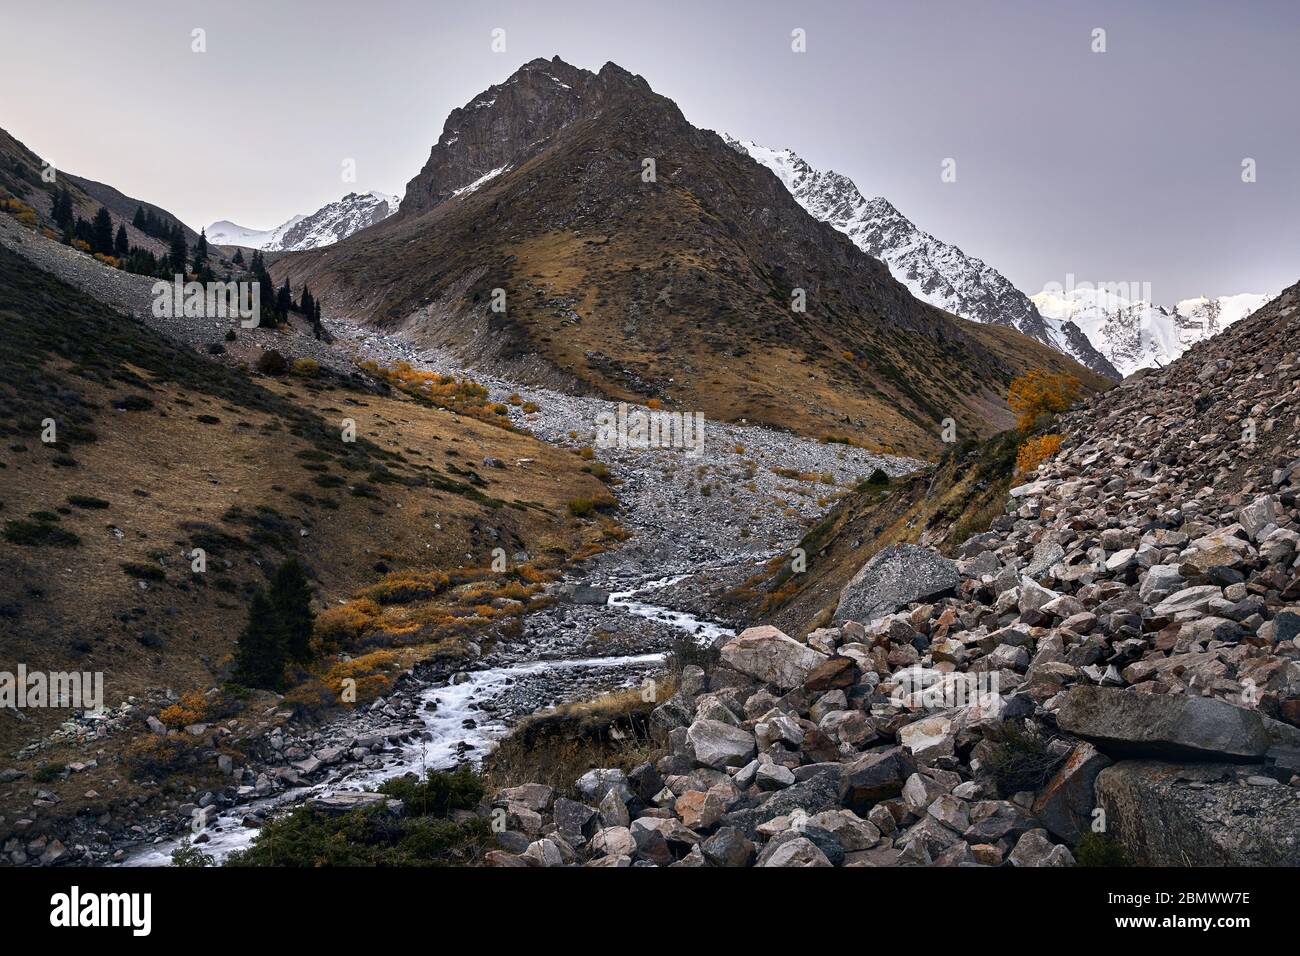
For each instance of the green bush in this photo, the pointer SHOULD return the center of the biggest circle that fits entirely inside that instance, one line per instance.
(421, 835)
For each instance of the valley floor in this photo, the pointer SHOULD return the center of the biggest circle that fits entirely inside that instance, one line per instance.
(695, 520)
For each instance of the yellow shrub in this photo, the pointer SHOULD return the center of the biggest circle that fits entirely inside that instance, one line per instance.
(190, 709)
(339, 626)
(19, 210)
(1035, 451)
(1036, 393)
(307, 368)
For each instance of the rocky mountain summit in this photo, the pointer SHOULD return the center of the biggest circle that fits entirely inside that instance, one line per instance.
(934, 271)
(1111, 672)
(324, 227)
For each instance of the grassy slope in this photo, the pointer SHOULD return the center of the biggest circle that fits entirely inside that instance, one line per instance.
(241, 486)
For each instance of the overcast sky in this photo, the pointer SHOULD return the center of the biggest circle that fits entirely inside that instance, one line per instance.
(1122, 166)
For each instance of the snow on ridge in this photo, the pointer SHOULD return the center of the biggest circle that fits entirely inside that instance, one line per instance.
(1134, 333)
(936, 272)
(466, 190)
(331, 223)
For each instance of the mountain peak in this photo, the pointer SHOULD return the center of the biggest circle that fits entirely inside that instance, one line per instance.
(510, 121)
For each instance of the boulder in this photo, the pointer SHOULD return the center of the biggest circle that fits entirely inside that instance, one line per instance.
(1066, 803)
(1162, 725)
(875, 776)
(768, 655)
(728, 847)
(1035, 849)
(800, 852)
(719, 744)
(1199, 815)
(895, 577)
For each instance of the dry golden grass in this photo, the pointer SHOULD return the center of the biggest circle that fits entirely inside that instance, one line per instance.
(559, 745)
(194, 468)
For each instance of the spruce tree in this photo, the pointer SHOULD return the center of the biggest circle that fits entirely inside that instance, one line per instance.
(284, 299)
(139, 220)
(315, 320)
(102, 229)
(179, 251)
(201, 248)
(62, 212)
(291, 598)
(121, 244)
(260, 651)
(238, 258)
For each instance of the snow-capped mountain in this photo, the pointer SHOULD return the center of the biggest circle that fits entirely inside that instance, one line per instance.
(1136, 334)
(934, 271)
(324, 227)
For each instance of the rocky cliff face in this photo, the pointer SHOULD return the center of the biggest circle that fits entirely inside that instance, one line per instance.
(512, 121)
(934, 271)
(1111, 672)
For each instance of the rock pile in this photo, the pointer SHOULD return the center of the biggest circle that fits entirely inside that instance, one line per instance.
(1119, 655)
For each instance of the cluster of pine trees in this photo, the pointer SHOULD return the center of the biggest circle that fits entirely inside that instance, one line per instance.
(99, 236)
(277, 303)
(278, 632)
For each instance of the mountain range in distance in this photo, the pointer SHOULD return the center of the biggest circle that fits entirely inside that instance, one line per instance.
(324, 227)
(1104, 331)
(1136, 334)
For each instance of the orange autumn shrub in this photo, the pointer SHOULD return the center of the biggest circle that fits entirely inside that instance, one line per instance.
(190, 709)
(1035, 451)
(1037, 393)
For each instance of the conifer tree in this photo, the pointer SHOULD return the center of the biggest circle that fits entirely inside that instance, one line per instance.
(201, 248)
(102, 232)
(238, 258)
(179, 252)
(260, 651)
(139, 220)
(62, 212)
(121, 244)
(290, 595)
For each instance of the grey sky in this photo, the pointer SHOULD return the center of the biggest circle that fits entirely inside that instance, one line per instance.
(1123, 166)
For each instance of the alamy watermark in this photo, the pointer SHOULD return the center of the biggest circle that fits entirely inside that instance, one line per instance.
(642, 429)
(208, 300)
(83, 690)
(1128, 291)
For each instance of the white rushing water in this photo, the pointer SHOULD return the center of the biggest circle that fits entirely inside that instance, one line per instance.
(456, 730)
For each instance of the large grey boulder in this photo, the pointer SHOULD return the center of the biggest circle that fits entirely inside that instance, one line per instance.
(769, 655)
(892, 579)
(1162, 725)
(1199, 815)
(719, 744)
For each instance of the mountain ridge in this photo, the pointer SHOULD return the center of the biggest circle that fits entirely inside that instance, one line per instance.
(934, 271)
(331, 223)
